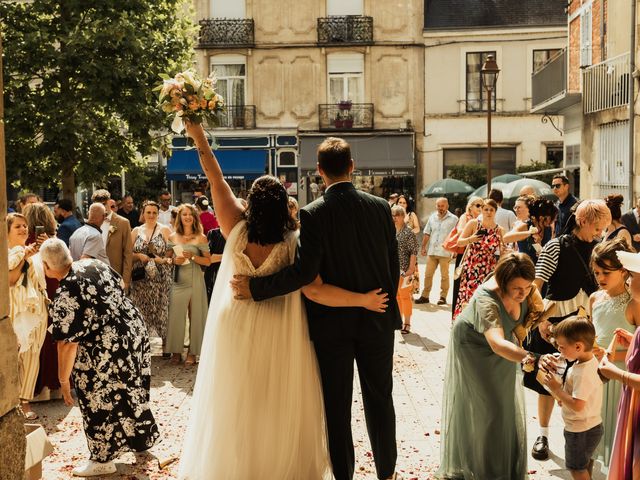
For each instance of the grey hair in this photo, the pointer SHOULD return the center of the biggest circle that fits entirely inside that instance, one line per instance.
(398, 210)
(55, 253)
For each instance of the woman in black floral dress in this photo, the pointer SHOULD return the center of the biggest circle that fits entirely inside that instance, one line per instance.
(103, 340)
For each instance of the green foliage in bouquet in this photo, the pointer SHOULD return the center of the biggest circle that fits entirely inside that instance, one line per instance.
(79, 78)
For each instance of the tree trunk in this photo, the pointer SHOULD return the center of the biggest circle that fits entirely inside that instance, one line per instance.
(69, 182)
(12, 435)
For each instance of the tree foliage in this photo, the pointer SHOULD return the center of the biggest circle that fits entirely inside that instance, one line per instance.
(78, 79)
(474, 175)
(537, 166)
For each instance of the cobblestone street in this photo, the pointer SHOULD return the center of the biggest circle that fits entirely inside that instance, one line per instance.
(419, 370)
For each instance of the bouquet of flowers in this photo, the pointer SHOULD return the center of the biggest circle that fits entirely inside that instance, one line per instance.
(186, 96)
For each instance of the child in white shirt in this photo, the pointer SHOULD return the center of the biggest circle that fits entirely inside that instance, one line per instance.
(580, 396)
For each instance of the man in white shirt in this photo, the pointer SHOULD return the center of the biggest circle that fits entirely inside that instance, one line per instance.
(86, 241)
(438, 227)
(505, 218)
(166, 208)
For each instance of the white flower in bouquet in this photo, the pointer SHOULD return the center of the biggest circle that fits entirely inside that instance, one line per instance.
(185, 96)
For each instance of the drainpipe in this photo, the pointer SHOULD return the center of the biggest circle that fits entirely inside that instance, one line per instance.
(632, 103)
(603, 57)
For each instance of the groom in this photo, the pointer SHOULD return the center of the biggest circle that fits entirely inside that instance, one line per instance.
(347, 237)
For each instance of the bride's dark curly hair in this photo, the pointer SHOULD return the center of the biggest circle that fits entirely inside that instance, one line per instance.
(267, 212)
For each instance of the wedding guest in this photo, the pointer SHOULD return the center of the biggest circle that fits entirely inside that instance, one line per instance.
(127, 210)
(67, 222)
(407, 253)
(26, 199)
(103, 343)
(473, 210)
(560, 187)
(87, 241)
(580, 394)
(189, 249)
(625, 456)
(505, 218)
(438, 227)
(411, 219)
(150, 292)
(483, 432)
(166, 208)
(39, 217)
(207, 218)
(563, 265)
(617, 228)
(116, 234)
(611, 309)
(217, 243)
(532, 230)
(631, 220)
(483, 242)
(27, 306)
(293, 210)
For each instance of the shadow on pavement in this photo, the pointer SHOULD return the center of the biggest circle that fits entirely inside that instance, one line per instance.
(426, 343)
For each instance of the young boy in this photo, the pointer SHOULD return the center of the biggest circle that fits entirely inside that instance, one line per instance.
(581, 395)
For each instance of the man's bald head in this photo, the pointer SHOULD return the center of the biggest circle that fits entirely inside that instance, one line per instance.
(96, 214)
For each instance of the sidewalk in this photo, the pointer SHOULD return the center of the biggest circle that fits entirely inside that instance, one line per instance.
(419, 373)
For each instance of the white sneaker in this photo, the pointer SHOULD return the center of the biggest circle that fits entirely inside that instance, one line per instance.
(92, 469)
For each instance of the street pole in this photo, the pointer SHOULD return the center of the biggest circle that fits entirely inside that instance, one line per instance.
(489, 143)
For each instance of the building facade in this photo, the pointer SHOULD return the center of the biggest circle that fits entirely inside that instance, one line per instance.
(297, 71)
(521, 37)
(590, 86)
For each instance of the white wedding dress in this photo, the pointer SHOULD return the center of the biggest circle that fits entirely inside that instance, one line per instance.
(257, 409)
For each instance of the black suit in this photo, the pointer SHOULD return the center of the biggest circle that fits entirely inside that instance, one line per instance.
(629, 221)
(348, 237)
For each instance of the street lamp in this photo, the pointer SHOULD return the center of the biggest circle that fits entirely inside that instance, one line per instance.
(489, 74)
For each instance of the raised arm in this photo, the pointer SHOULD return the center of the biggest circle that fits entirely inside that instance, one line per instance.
(332, 296)
(517, 233)
(228, 208)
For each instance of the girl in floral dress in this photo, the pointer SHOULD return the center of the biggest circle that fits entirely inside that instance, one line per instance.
(483, 241)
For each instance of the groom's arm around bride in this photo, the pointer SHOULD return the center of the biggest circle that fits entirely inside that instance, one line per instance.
(348, 238)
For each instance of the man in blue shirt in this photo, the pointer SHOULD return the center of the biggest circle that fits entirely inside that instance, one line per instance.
(67, 222)
(560, 187)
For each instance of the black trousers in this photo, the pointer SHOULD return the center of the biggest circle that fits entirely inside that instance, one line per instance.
(456, 284)
(372, 351)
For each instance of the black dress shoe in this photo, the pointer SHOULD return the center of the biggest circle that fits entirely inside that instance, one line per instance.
(442, 301)
(421, 300)
(540, 450)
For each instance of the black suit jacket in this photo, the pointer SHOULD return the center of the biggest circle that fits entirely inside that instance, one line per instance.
(629, 221)
(348, 237)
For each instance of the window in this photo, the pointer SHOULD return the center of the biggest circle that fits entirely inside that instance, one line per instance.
(585, 38)
(346, 78)
(227, 8)
(503, 160)
(344, 7)
(555, 155)
(541, 57)
(476, 100)
(231, 74)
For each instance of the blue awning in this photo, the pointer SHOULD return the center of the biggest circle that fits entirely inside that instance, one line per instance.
(236, 164)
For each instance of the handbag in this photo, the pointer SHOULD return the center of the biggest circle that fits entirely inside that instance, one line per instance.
(138, 273)
(450, 243)
(458, 271)
(145, 271)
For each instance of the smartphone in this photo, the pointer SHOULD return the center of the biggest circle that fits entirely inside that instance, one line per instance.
(481, 233)
(39, 230)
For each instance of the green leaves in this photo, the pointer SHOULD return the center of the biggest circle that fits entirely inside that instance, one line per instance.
(79, 83)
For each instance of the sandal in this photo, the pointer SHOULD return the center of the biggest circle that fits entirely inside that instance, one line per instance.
(406, 328)
(190, 361)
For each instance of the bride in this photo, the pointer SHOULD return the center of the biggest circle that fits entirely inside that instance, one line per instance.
(257, 405)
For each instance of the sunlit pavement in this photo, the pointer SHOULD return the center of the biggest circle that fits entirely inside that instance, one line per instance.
(419, 374)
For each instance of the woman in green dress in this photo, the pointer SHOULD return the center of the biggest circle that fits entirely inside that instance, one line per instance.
(190, 251)
(483, 420)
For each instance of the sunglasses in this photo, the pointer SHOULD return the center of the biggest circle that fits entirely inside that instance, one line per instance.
(556, 185)
(479, 205)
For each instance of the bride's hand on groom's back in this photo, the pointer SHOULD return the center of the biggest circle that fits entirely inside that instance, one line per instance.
(375, 300)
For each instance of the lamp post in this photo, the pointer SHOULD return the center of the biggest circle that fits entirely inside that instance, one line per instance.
(489, 75)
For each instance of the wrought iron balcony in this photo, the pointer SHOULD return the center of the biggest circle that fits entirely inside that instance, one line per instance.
(607, 84)
(226, 32)
(345, 30)
(238, 116)
(346, 116)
